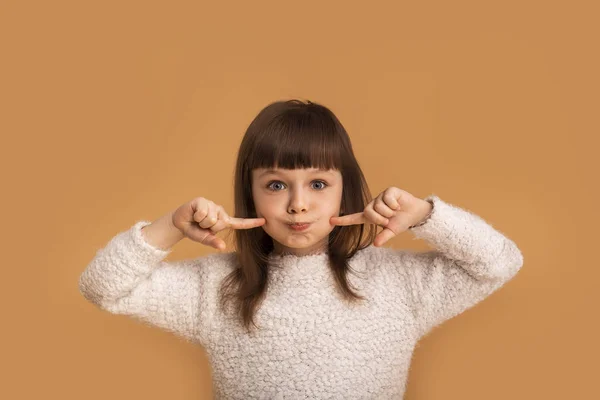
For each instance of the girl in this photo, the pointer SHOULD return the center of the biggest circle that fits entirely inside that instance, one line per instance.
(309, 305)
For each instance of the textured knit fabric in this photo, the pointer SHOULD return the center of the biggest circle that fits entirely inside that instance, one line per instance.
(311, 343)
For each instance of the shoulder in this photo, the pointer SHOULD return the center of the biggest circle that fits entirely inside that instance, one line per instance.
(202, 274)
(392, 260)
(370, 259)
(379, 255)
(217, 259)
(215, 265)
(202, 268)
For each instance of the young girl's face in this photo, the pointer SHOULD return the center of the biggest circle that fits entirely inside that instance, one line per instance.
(284, 196)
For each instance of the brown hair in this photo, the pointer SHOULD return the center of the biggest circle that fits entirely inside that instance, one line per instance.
(293, 134)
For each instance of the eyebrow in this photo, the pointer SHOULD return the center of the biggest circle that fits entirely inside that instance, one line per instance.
(275, 172)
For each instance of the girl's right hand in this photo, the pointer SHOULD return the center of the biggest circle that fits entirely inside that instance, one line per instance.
(200, 218)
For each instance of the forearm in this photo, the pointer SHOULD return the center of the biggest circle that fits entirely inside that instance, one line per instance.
(162, 233)
(470, 241)
(126, 261)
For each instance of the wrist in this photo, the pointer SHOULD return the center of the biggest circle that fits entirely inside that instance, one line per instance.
(162, 233)
(425, 215)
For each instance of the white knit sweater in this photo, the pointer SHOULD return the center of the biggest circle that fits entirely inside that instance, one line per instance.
(311, 344)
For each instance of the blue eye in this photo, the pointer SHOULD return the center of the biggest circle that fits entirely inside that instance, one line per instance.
(269, 186)
(324, 184)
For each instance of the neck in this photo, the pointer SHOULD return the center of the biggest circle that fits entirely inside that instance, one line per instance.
(298, 254)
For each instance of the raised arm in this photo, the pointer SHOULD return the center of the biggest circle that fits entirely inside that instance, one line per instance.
(128, 276)
(471, 260)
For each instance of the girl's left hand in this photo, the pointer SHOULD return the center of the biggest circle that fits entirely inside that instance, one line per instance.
(394, 209)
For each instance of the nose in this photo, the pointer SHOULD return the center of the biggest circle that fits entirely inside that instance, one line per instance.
(298, 202)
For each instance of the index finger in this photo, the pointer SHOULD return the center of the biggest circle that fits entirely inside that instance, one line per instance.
(245, 223)
(350, 219)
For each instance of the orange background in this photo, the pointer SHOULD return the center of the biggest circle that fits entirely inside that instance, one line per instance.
(118, 111)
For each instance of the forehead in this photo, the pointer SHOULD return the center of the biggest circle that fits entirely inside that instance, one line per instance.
(262, 172)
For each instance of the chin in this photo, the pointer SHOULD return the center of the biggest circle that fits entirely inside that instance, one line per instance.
(300, 244)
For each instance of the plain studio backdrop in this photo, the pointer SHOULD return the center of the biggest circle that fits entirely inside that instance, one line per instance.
(118, 111)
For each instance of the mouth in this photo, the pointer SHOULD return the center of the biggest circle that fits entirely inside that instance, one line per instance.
(299, 226)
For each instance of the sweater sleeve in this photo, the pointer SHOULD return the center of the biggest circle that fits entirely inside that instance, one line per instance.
(128, 276)
(471, 260)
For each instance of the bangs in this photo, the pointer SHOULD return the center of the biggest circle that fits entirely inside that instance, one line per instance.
(298, 139)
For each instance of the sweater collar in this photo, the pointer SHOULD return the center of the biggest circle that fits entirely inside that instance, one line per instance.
(294, 265)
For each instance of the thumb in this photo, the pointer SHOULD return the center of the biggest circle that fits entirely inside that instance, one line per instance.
(217, 243)
(385, 235)
(209, 239)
